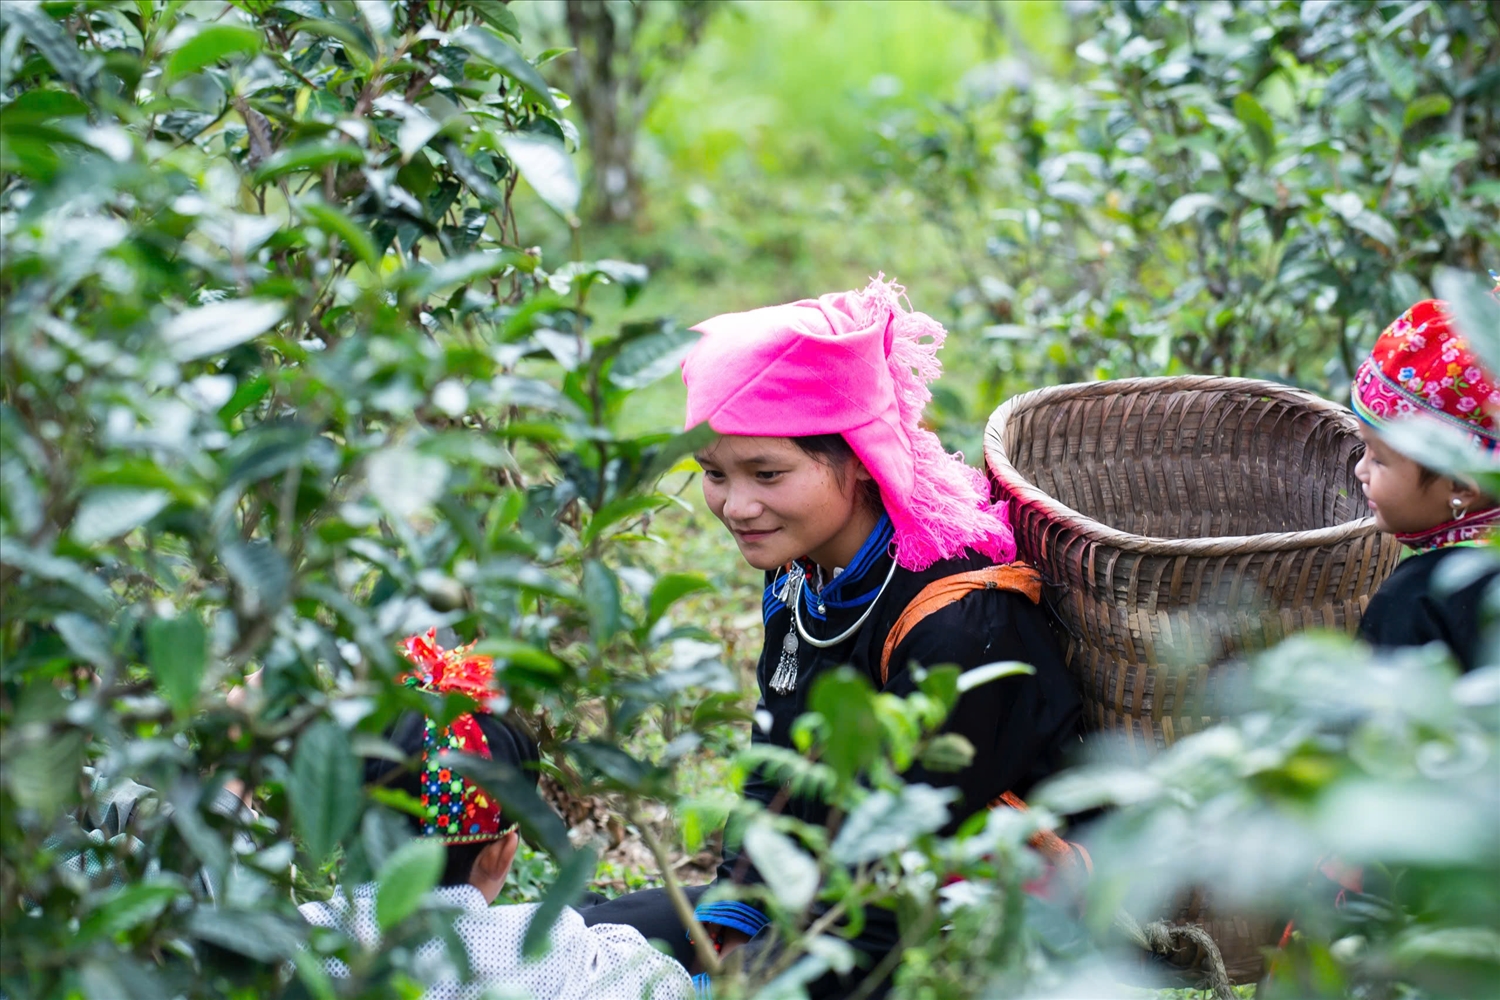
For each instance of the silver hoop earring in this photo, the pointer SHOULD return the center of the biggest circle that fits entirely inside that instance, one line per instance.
(1458, 509)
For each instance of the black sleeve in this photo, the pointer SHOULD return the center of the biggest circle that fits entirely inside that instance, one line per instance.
(1020, 726)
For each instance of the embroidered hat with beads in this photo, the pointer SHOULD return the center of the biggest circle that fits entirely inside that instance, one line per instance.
(1422, 364)
(455, 809)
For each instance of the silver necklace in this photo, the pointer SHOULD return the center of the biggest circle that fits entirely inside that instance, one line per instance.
(784, 681)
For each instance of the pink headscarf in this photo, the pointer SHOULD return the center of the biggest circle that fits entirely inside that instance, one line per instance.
(856, 364)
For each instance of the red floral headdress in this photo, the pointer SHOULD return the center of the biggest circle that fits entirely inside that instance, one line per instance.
(454, 809)
(1422, 364)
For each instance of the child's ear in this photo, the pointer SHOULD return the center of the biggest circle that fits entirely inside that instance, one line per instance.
(492, 865)
(861, 473)
(1467, 493)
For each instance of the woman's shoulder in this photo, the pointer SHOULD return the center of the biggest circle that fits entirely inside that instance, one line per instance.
(981, 611)
(911, 582)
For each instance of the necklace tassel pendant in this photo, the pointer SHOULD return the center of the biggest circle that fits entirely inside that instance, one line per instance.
(784, 681)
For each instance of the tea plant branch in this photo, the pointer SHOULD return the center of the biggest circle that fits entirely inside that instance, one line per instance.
(887, 965)
(707, 957)
(815, 930)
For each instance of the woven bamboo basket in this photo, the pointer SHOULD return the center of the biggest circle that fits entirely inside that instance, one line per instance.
(1182, 522)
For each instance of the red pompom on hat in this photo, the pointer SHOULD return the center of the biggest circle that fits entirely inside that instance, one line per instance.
(1422, 364)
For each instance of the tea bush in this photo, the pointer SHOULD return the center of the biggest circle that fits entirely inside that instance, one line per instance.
(286, 378)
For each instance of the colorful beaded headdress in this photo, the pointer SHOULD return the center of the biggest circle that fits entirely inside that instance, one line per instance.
(1422, 364)
(454, 809)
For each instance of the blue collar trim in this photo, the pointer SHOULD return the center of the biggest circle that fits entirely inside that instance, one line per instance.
(874, 547)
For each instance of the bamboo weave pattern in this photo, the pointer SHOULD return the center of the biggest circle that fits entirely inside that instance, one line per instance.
(1185, 520)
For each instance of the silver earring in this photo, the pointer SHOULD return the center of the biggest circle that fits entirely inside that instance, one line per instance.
(1458, 508)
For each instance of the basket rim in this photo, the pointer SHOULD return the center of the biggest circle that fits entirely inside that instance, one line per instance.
(1024, 492)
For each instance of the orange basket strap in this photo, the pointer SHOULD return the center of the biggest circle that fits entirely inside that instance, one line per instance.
(1050, 845)
(938, 594)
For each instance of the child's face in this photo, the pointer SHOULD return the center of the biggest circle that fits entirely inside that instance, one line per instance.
(1400, 501)
(781, 503)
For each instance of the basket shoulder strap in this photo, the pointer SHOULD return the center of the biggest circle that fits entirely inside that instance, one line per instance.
(1017, 577)
(1049, 844)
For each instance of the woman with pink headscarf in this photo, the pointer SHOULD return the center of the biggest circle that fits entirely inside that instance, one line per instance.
(828, 482)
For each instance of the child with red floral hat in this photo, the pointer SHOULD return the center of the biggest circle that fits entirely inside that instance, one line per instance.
(1422, 365)
(602, 962)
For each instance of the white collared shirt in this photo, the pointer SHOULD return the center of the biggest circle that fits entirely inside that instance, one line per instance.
(603, 962)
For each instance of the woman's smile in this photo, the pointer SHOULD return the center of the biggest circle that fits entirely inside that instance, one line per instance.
(750, 536)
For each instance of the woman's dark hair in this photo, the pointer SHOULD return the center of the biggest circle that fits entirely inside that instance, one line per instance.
(833, 451)
(508, 742)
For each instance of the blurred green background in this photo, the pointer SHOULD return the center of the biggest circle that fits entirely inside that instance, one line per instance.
(1077, 190)
(759, 156)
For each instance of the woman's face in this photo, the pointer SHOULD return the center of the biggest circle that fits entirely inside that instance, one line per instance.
(781, 503)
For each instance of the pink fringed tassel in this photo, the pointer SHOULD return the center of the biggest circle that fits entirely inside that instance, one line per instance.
(950, 508)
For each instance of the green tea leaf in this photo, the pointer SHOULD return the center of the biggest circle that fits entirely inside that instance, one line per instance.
(210, 45)
(42, 105)
(519, 801)
(358, 45)
(113, 511)
(1426, 106)
(844, 698)
(1258, 124)
(498, 16)
(489, 46)
(85, 637)
(617, 510)
(885, 823)
(51, 41)
(308, 156)
(335, 223)
(1376, 226)
(177, 650)
(646, 359)
(948, 753)
(257, 934)
(129, 908)
(971, 679)
(669, 590)
(789, 872)
(572, 879)
(1186, 207)
(1475, 311)
(666, 454)
(405, 482)
(406, 877)
(549, 170)
(615, 765)
(940, 683)
(465, 270)
(33, 767)
(325, 789)
(219, 326)
(601, 598)
(262, 573)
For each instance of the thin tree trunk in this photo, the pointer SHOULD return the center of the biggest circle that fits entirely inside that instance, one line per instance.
(596, 89)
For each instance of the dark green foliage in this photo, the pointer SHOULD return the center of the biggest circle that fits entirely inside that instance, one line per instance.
(285, 379)
(283, 384)
(1251, 188)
